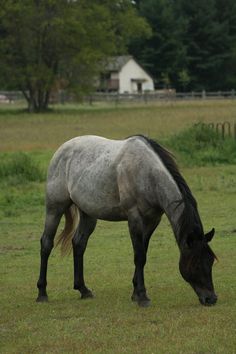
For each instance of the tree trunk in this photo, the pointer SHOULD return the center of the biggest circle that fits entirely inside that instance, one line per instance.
(37, 100)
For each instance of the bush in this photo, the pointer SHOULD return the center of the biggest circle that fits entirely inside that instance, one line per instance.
(201, 145)
(19, 167)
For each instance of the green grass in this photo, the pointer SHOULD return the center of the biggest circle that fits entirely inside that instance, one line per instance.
(201, 145)
(111, 323)
(41, 132)
(19, 167)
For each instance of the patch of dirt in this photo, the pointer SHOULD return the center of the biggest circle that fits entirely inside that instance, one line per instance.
(6, 249)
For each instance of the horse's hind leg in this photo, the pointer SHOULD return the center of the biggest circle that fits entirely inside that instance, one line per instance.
(53, 218)
(86, 226)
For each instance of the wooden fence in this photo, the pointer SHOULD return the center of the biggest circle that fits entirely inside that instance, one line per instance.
(159, 96)
(224, 129)
(116, 98)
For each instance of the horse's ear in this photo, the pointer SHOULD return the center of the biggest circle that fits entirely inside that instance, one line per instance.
(209, 235)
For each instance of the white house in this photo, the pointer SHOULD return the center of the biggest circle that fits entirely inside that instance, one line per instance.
(124, 75)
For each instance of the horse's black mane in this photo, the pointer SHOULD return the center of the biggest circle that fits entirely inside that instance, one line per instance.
(190, 218)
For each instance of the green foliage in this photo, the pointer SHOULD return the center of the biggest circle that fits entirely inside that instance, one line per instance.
(201, 145)
(207, 43)
(18, 168)
(184, 79)
(51, 44)
(197, 37)
(163, 54)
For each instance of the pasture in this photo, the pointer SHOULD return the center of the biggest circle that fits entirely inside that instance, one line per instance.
(110, 323)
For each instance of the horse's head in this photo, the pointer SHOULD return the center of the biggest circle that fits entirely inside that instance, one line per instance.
(196, 261)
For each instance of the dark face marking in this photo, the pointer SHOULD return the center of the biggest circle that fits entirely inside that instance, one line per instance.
(195, 266)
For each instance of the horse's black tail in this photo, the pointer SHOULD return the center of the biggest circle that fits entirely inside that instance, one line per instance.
(71, 224)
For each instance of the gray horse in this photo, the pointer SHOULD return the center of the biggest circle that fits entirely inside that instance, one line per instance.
(136, 180)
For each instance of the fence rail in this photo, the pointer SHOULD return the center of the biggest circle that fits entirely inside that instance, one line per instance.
(11, 96)
(224, 129)
(159, 96)
(116, 98)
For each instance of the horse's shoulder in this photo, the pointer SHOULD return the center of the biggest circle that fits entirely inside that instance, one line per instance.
(139, 146)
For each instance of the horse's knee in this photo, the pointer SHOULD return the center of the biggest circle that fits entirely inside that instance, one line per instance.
(140, 259)
(46, 244)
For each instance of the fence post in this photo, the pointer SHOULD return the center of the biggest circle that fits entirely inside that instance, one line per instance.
(90, 100)
(117, 99)
(62, 97)
(145, 97)
(222, 127)
(228, 125)
(203, 94)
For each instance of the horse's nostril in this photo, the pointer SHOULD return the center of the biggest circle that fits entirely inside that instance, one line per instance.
(211, 300)
(207, 301)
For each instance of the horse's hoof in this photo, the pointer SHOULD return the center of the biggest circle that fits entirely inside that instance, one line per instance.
(42, 299)
(144, 303)
(87, 295)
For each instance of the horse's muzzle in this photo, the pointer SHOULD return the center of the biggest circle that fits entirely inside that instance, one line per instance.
(208, 300)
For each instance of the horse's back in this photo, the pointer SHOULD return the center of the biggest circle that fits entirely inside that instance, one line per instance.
(83, 169)
(103, 177)
(83, 148)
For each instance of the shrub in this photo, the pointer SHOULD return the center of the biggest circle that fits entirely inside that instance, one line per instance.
(19, 167)
(201, 145)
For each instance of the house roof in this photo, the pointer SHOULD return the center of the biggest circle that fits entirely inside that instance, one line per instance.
(117, 63)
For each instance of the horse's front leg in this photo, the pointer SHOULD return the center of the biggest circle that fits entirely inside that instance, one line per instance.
(136, 232)
(149, 226)
(80, 240)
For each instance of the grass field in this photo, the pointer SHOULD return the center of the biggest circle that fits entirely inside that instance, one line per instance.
(111, 323)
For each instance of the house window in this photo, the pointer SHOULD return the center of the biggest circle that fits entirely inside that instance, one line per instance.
(107, 83)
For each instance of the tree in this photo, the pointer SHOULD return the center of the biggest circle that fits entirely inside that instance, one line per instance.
(44, 42)
(205, 40)
(163, 54)
(226, 14)
(196, 37)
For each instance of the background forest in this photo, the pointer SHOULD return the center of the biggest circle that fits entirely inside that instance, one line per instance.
(193, 43)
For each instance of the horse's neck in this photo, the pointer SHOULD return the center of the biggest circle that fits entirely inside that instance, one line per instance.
(171, 201)
(182, 216)
(174, 212)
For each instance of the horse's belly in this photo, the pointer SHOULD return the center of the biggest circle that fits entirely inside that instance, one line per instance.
(102, 203)
(102, 211)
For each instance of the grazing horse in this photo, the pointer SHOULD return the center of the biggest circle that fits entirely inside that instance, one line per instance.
(137, 180)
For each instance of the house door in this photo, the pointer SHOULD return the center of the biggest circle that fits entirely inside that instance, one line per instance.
(139, 87)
